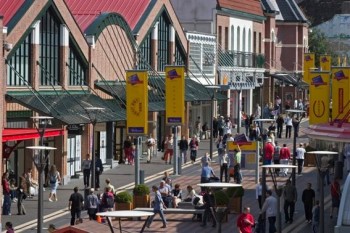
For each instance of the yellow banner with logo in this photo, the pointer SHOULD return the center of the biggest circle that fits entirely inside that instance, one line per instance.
(319, 97)
(309, 62)
(340, 92)
(137, 102)
(325, 62)
(175, 95)
(244, 146)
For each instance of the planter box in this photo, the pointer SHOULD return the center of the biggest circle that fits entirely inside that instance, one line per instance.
(142, 201)
(123, 206)
(235, 205)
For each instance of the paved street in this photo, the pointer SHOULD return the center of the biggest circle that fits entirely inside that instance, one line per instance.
(122, 178)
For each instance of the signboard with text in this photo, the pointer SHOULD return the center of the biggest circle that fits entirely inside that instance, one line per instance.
(137, 102)
(175, 95)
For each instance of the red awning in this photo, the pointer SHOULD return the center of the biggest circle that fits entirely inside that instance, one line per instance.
(16, 134)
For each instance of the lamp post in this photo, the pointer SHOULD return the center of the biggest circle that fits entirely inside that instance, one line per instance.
(296, 124)
(41, 122)
(92, 113)
(278, 190)
(214, 88)
(322, 167)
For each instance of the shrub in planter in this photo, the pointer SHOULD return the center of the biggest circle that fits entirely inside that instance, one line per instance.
(221, 198)
(141, 196)
(141, 189)
(123, 201)
(235, 195)
(123, 197)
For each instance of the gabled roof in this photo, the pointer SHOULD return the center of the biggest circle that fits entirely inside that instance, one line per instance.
(246, 6)
(8, 8)
(86, 11)
(289, 10)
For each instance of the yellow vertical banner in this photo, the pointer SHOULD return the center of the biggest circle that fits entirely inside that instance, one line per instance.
(309, 62)
(137, 102)
(340, 92)
(325, 62)
(319, 97)
(175, 95)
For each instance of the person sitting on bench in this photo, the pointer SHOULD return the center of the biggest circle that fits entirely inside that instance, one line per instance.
(165, 191)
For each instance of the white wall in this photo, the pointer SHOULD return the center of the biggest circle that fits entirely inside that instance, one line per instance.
(242, 24)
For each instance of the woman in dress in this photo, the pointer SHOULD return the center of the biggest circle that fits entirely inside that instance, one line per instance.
(54, 179)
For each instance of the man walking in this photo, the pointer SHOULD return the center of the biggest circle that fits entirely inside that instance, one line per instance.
(290, 198)
(308, 198)
(300, 152)
(245, 221)
(76, 202)
(150, 147)
(92, 204)
(268, 152)
(270, 207)
(157, 208)
(284, 158)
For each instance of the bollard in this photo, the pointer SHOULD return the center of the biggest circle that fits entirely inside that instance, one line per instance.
(179, 164)
(142, 176)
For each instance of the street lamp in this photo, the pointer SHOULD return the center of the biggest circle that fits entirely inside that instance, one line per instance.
(277, 189)
(322, 167)
(296, 124)
(214, 88)
(41, 122)
(92, 112)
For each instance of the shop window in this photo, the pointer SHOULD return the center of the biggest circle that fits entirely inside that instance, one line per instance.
(49, 55)
(77, 69)
(145, 53)
(180, 57)
(163, 42)
(18, 68)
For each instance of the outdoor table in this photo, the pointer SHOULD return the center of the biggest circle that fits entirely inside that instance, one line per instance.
(220, 214)
(125, 214)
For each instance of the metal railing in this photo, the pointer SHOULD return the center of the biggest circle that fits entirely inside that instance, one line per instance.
(240, 59)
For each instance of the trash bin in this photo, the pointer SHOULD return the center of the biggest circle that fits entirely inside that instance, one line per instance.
(338, 171)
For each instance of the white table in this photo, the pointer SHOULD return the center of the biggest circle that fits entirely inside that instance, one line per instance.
(125, 214)
(219, 185)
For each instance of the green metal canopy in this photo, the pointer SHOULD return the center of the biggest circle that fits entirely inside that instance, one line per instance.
(70, 108)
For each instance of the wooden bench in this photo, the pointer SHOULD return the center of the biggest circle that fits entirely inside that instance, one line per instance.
(175, 211)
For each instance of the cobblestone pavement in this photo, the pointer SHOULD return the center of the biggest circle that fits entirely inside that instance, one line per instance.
(122, 178)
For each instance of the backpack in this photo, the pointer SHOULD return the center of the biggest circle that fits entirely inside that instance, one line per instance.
(53, 178)
(108, 200)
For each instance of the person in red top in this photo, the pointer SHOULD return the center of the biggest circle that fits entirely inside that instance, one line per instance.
(284, 158)
(245, 221)
(268, 152)
(335, 193)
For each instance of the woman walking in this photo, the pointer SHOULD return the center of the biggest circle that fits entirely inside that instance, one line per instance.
(86, 165)
(193, 147)
(54, 179)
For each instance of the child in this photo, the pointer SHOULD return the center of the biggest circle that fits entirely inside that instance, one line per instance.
(316, 217)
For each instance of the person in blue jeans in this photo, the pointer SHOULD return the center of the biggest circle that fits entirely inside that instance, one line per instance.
(158, 206)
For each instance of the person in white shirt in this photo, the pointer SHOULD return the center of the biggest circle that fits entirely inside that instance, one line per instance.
(270, 207)
(300, 152)
(223, 161)
(258, 192)
(289, 123)
(150, 147)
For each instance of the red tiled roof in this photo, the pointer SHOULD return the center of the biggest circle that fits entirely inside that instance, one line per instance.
(86, 11)
(248, 6)
(8, 9)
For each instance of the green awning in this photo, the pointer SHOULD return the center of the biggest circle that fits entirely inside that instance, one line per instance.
(69, 108)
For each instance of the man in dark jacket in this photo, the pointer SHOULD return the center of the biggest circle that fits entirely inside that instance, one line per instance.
(76, 202)
(308, 199)
(98, 171)
(290, 198)
(183, 145)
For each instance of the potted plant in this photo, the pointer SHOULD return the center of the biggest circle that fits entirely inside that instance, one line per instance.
(141, 196)
(123, 201)
(235, 195)
(221, 201)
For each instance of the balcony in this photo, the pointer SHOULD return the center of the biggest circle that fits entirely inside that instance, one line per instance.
(231, 58)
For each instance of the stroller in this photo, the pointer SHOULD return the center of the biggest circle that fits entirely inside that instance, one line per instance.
(260, 225)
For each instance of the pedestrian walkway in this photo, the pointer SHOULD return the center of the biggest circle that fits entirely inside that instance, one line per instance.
(122, 178)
